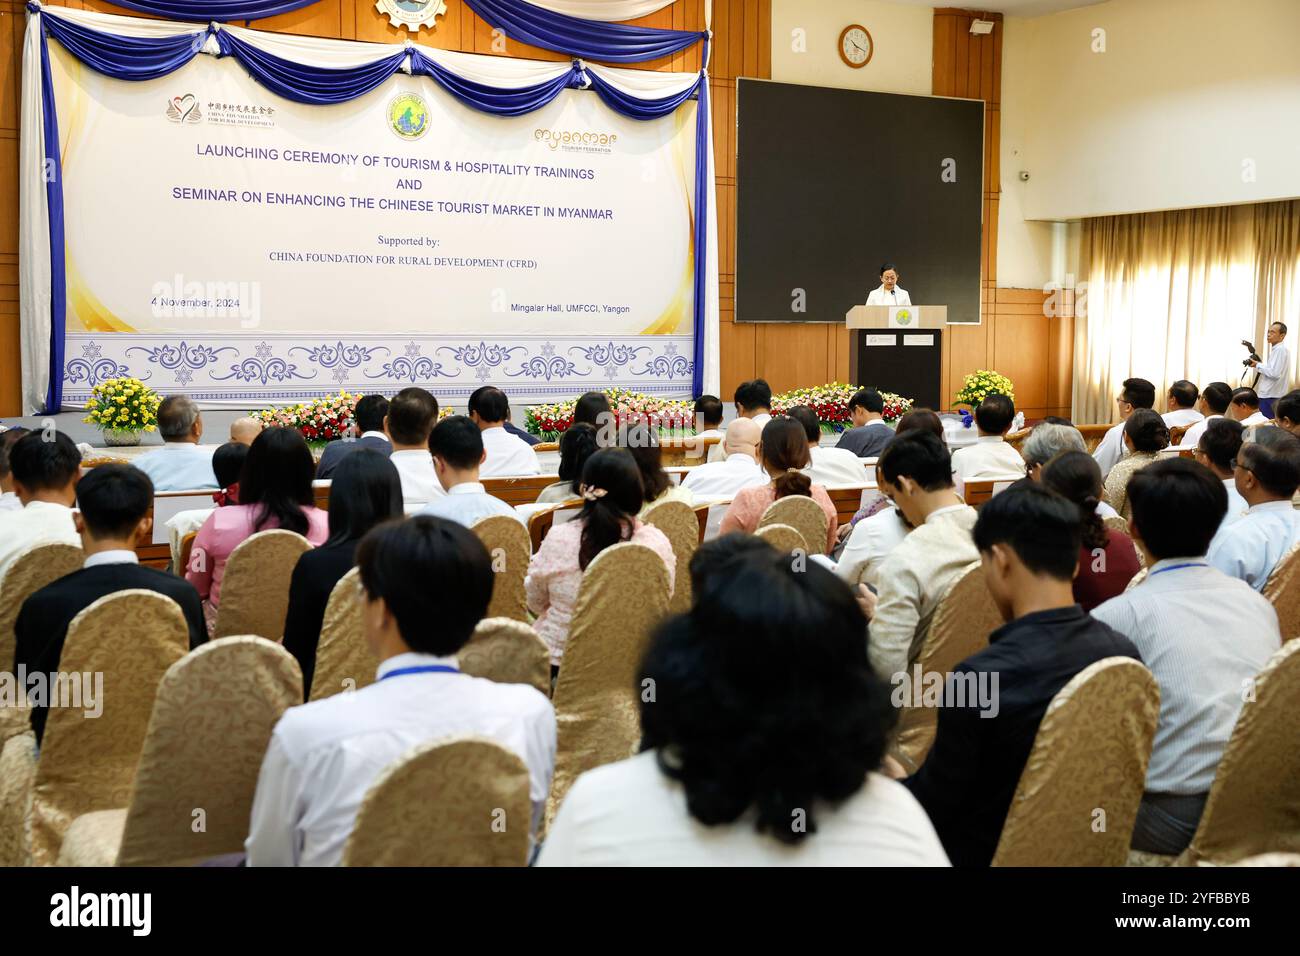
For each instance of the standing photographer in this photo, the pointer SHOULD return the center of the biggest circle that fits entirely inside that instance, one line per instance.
(1275, 372)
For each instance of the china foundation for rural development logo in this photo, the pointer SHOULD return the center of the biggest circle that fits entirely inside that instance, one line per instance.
(408, 116)
(412, 14)
(184, 109)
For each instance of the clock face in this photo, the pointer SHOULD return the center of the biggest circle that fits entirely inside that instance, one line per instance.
(856, 46)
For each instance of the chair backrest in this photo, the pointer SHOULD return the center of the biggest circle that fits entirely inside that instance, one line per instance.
(980, 490)
(344, 660)
(678, 522)
(518, 491)
(804, 515)
(783, 537)
(212, 720)
(1176, 433)
(30, 571)
(187, 549)
(849, 499)
(507, 542)
(623, 596)
(1254, 803)
(508, 652)
(962, 622)
(255, 589)
(702, 519)
(1078, 795)
(1283, 590)
(1092, 435)
(88, 761)
(541, 522)
(461, 801)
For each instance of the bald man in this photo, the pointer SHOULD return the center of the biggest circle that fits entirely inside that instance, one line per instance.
(244, 430)
(739, 469)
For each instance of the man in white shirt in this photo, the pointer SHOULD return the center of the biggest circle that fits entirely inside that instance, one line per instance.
(1182, 405)
(1244, 408)
(916, 472)
(708, 418)
(753, 401)
(324, 756)
(1204, 635)
(888, 292)
(8, 497)
(182, 464)
(872, 540)
(506, 454)
(44, 472)
(828, 466)
(410, 418)
(1137, 393)
(457, 447)
(740, 469)
(1213, 403)
(1217, 450)
(1275, 373)
(990, 456)
(1267, 475)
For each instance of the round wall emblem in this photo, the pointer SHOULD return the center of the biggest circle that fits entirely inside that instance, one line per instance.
(412, 14)
(408, 116)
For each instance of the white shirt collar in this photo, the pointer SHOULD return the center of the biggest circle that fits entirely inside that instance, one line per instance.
(1160, 565)
(422, 453)
(738, 455)
(1283, 505)
(44, 506)
(111, 557)
(989, 439)
(467, 488)
(173, 445)
(374, 434)
(944, 511)
(413, 659)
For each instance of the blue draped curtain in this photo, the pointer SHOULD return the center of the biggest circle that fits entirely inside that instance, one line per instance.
(611, 42)
(223, 10)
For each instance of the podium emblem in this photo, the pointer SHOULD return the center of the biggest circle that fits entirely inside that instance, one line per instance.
(900, 317)
(412, 14)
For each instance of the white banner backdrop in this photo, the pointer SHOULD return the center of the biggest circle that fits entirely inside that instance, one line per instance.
(245, 249)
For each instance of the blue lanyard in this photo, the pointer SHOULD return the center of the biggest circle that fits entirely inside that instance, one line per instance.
(428, 669)
(1176, 567)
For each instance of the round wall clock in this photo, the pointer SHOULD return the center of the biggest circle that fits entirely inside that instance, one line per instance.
(856, 46)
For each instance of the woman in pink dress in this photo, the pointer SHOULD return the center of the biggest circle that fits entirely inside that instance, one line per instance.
(784, 450)
(612, 496)
(274, 492)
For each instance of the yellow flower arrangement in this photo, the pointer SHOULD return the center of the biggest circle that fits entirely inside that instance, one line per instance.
(123, 405)
(982, 383)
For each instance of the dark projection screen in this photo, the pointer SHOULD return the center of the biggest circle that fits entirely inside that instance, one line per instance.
(833, 183)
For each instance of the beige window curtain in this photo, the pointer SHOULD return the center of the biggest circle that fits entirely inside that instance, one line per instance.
(1170, 295)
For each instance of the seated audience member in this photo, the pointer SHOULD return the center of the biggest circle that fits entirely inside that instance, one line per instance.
(1267, 475)
(578, 443)
(1213, 403)
(784, 451)
(829, 466)
(1137, 393)
(762, 746)
(1286, 413)
(612, 496)
(871, 541)
(526, 437)
(113, 513)
(990, 456)
(708, 417)
(740, 468)
(916, 472)
(870, 432)
(366, 491)
(1045, 442)
(1145, 435)
(244, 430)
(44, 477)
(411, 416)
(1181, 401)
(8, 497)
(1217, 450)
(324, 756)
(506, 455)
(593, 408)
(181, 464)
(711, 560)
(1204, 635)
(917, 418)
(753, 400)
(368, 423)
(656, 484)
(457, 446)
(227, 465)
(1108, 560)
(274, 492)
(1028, 540)
(1244, 408)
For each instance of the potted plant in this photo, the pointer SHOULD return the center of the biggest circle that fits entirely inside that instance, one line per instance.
(123, 408)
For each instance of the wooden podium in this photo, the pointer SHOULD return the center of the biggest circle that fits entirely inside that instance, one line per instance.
(898, 349)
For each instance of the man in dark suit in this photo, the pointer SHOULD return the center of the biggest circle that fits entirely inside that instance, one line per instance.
(114, 503)
(370, 413)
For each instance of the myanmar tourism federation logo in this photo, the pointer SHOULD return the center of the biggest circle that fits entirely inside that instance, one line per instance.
(408, 116)
(412, 14)
(903, 317)
(184, 109)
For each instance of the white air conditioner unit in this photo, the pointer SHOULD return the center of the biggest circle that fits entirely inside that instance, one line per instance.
(981, 28)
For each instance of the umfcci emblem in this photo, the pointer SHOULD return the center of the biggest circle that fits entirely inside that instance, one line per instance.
(412, 14)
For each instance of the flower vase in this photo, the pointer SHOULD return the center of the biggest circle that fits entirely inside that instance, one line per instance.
(114, 438)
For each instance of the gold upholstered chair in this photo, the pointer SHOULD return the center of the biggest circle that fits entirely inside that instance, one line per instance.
(961, 625)
(508, 652)
(87, 759)
(508, 543)
(255, 589)
(679, 523)
(1079, 793)
(1283, 591)
(461, 801)
(344, 661)
(783, 537)
(1254, 803)
(623, 596)
(30, 571)
(801, 513)
(212, 719)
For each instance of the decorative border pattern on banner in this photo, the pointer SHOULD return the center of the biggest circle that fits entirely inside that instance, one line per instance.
(261, 369)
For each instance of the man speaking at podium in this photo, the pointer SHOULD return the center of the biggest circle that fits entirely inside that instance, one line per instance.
(889, 293)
